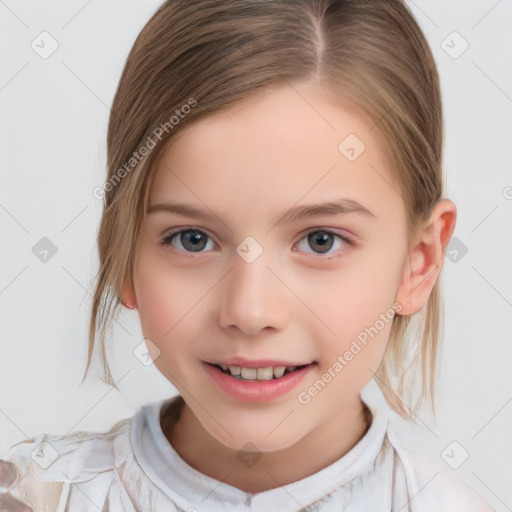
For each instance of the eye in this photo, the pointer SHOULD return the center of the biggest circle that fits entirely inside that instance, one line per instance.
(323, 241)
(188, 240)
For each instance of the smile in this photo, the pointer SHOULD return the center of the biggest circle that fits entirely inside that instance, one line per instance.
(267, 373)
(252, 387)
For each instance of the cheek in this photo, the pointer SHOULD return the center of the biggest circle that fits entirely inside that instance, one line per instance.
(165, 296)
(373, 279)
(354, 296)
(354, 304)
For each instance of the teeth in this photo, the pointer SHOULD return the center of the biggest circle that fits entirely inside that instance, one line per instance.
(267, 373)
(249, 373)
(279, 371)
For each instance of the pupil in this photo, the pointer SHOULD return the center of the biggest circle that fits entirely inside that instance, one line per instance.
(194, 238)
(322, 240)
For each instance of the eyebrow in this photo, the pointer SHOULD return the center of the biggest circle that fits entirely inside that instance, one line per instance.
(294, 214)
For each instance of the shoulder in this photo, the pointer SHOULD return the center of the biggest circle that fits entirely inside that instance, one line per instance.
(432, 486)
(40, 471)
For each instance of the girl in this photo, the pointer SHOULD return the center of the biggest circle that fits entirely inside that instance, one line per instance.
(274, 211)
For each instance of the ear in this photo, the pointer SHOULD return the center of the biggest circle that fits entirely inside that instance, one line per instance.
(128, 297)
(425, 258)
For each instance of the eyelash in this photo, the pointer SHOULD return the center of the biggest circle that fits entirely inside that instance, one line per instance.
(167, 240)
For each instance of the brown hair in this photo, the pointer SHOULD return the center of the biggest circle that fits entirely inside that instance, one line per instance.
(370, 54)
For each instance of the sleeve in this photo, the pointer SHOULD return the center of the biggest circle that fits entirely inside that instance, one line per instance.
(433, 487)
(59, 473)
(23, 487)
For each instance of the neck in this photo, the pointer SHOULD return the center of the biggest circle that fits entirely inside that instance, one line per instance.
(315, 451)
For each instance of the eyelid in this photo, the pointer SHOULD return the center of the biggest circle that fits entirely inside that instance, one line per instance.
(343, 233)
(167, 234)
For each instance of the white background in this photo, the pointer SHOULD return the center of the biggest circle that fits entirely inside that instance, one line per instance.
(54, 115)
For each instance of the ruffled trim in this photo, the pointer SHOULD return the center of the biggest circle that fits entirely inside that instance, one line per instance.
(49, 465)
(142, 492)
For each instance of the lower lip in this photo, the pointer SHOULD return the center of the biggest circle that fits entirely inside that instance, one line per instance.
(257, 390)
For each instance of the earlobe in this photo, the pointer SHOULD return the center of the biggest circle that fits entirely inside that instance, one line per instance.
(425, 258)
(128, 297)
(127, 305)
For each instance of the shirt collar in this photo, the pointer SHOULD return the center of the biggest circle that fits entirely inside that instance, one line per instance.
(188, 486)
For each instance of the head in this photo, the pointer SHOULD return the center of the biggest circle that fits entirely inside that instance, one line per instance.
(244, 109)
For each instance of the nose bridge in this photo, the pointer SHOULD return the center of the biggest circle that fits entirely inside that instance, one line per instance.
(253, 298)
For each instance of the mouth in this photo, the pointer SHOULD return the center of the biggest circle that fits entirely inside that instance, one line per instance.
(260, 373)
(259, 382)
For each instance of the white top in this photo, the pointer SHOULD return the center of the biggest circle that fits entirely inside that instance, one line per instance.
(133, 467)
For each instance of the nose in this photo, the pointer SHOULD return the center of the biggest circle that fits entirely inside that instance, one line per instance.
(254, 297)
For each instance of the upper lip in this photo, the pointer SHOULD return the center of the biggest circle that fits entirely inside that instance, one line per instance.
(256, 363)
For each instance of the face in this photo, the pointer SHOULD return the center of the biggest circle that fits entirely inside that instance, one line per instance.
(245, 281)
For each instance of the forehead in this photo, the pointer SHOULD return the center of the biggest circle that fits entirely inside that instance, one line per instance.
(286, 145)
